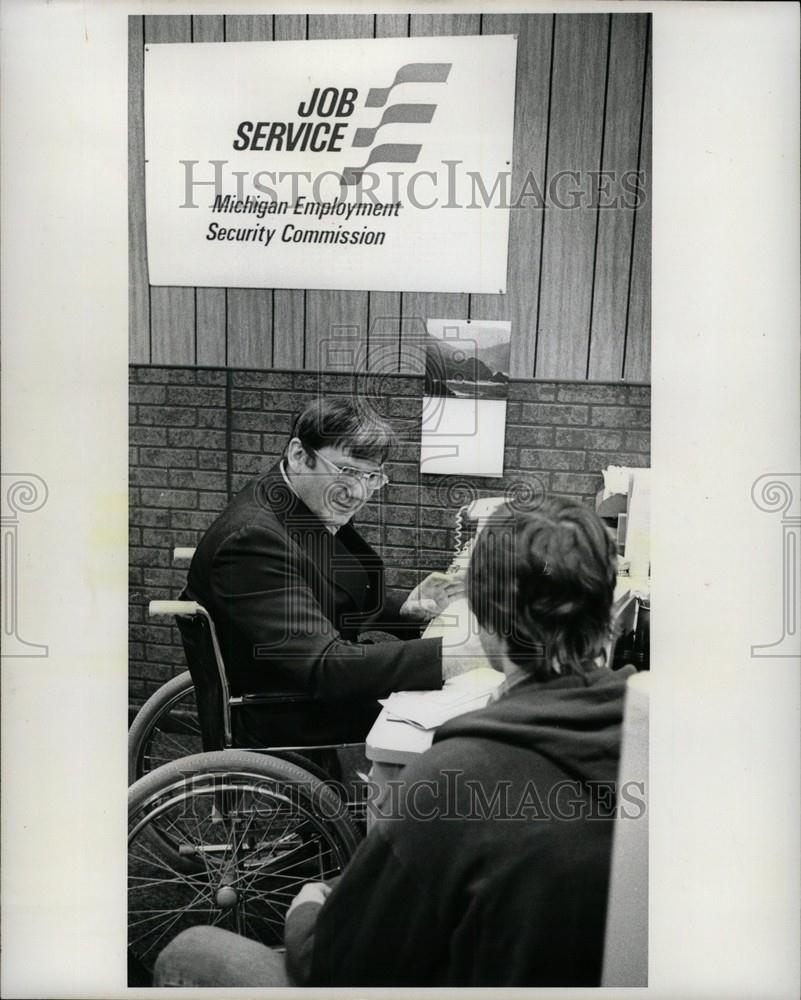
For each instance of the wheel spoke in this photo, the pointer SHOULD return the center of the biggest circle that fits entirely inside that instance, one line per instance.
(251, 831)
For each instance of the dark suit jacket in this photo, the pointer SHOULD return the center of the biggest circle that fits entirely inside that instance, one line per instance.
(289, 600)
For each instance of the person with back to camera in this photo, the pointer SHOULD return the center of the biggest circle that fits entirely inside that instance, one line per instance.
(491, 867)
(290, 585)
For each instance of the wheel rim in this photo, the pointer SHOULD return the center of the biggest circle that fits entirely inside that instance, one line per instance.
(252, 842)
(175, 734)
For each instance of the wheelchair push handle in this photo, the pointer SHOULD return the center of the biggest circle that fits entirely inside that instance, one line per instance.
(174, 608)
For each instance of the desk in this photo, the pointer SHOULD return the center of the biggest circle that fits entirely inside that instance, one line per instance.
(395, 742)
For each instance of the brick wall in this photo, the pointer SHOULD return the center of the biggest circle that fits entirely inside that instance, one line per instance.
(198, 435)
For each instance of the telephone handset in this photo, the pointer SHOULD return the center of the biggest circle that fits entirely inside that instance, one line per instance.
(470, 519)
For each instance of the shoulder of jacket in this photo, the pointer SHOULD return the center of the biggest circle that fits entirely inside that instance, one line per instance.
(256, 527)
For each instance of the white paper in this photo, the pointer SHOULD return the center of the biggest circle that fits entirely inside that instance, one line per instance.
(429, 709)
(724, 724)
(462, 436)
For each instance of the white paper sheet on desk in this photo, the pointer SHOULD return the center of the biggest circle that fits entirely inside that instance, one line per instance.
(429, 709)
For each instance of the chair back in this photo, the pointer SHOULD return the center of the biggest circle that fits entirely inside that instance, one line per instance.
(205, 664)
(209, 678)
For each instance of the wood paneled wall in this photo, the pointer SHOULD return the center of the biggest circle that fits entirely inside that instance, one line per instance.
(578, 290)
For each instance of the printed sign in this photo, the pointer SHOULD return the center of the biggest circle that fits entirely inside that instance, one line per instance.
(360, 164)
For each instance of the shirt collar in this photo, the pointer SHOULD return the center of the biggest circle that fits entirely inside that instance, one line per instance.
(510, 681)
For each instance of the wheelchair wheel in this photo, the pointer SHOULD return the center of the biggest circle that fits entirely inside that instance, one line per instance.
(227, 838)
(165, 728)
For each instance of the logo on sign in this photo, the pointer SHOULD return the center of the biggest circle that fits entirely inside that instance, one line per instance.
(333, 102)
(396, 152)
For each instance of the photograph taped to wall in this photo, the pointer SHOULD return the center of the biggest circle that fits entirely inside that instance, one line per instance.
(554, 304)
(468, 359)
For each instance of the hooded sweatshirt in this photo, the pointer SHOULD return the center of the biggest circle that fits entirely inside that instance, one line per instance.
(490, 865)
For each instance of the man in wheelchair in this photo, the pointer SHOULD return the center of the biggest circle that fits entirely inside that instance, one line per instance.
(490, 864)
(291, 585)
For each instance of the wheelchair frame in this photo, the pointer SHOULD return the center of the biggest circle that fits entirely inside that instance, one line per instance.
(229, 835)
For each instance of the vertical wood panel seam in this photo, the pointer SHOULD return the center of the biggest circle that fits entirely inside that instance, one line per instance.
(636, 213)
(225, 290)
(194, 290)
(597, 207)
(229, 457)
(545, 189)
(400, 297)
(469, 294)
(272, 321)
(367, 330)
(305, 291)
(367, 339)
(400, 333)
(144, 152)
(401, 294)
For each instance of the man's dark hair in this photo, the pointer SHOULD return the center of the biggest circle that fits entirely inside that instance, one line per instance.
(544, 581)
(349, 424)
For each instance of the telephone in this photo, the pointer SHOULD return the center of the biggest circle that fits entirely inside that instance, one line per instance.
(470, 519)
(456, 626)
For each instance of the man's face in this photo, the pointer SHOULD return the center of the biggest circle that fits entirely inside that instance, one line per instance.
(334, 496)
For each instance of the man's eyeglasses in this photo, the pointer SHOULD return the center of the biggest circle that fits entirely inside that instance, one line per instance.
(372, 480)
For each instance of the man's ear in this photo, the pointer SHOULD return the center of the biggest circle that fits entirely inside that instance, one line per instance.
(296, 457)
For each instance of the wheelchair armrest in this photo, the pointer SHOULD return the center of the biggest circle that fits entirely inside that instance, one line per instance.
(174, 608)
(271, 699)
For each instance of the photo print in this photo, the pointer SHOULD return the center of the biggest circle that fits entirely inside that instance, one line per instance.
(465, 393)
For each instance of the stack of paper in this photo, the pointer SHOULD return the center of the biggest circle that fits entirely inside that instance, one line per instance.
(429, 709)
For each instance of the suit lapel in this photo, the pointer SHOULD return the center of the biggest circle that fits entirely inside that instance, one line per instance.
(351, 568)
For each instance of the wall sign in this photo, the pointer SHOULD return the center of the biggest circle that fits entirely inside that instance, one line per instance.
(357, 164)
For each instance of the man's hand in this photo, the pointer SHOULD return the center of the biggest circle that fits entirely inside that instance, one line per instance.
(431, 596)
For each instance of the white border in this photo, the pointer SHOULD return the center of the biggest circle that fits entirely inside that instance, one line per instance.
(724, 791)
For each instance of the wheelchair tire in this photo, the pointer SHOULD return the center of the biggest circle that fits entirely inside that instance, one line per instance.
(165, 728)
(227, 838)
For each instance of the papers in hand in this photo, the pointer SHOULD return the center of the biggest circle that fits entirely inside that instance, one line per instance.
(429, 709)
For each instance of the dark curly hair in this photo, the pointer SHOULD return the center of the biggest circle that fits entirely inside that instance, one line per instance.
(544, 581)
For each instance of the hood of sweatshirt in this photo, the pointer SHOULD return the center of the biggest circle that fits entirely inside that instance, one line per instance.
(573, 721)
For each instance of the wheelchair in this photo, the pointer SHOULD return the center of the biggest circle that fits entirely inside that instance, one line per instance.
(222, 836)
(166, 727)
